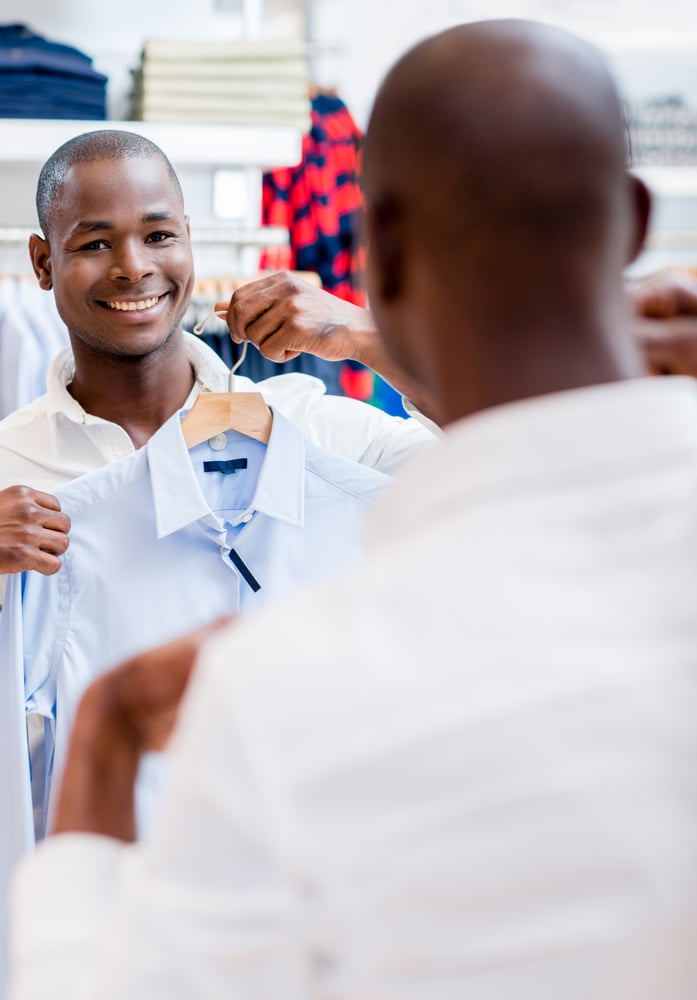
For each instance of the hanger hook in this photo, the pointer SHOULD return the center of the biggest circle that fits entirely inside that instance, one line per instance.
(198, 330)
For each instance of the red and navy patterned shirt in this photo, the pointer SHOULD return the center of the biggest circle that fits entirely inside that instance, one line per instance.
(320, 203)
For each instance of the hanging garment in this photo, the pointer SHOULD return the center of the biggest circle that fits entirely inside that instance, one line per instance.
(31, 334)
(320, 203)
(162, 542)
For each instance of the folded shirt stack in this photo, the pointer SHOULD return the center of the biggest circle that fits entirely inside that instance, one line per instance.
(44, 79)
(226, 82)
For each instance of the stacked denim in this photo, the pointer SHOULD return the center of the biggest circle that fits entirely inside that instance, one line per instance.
(44, 79)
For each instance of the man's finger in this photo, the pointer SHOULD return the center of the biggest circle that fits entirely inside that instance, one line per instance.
(56, 521)
(45, 500)
(42, 562)
(55, 542)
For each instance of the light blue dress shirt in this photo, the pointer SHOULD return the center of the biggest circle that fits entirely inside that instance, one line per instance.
(162, 543)
(16, 826)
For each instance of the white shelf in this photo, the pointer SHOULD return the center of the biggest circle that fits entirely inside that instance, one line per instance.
(669, 182)
(31, 141)
(643, 40)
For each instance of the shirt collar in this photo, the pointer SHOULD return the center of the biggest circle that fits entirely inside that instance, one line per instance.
(210, 371)
(280, 491)
(59, 376)
(579, 435)
(177, 495)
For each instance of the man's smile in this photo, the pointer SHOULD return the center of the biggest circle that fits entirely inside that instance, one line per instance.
(133, 305)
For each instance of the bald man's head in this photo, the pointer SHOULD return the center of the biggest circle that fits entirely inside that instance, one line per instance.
(509, 122)
(495, 159)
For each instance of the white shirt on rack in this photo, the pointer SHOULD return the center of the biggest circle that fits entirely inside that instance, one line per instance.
(31, 334)
(487, 790)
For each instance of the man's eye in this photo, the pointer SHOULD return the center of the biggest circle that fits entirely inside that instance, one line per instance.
(95, 245)
(159, 237)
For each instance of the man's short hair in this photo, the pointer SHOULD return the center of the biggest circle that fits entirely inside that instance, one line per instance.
(105, 144)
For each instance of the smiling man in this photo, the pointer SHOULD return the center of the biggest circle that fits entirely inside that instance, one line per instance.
(116, 252)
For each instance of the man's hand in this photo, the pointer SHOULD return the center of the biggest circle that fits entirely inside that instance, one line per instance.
(33, 531)
(122, 715)
(284, 316)
(665, 321)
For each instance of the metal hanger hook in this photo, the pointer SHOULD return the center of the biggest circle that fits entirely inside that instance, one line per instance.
(198, 330)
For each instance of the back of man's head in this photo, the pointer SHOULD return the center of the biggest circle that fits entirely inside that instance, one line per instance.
(496, 184)
(103, 144)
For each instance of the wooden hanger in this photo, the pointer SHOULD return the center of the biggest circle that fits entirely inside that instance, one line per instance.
(216, 412)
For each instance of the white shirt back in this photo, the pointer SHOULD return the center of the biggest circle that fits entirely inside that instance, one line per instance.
(487, 791)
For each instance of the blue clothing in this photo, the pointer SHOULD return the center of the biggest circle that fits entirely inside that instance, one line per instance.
(162, 542)
(16, 826)
(40, 78)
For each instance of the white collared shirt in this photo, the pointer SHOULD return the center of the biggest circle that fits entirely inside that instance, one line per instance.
(53, 440)
(487, 790)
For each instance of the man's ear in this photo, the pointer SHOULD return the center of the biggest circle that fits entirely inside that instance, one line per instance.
(40, 254)
(641, 200)
(386, 249)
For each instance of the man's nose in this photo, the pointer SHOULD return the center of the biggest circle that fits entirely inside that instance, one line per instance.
(131, 261)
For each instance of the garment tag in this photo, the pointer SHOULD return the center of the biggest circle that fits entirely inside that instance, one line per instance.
(244, 571)
(225, 466)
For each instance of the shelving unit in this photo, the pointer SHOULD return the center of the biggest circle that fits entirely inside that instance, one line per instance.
(31, 141)
(669, 182)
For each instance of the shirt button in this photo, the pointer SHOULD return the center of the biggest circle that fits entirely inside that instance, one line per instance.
(218, 442)
(247, 518)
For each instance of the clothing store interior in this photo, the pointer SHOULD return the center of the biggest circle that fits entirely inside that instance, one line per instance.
(348, 530)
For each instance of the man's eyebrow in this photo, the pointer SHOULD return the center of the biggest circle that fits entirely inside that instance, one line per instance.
(90, 225)
(158, 217)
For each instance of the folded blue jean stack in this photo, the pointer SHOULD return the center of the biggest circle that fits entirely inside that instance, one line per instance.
(44, 79)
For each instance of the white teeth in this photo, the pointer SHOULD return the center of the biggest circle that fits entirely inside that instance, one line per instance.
(133, 306)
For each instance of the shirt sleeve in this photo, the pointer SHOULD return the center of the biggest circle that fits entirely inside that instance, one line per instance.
(75, 878)
(202, 909)
(357, 430)
(368, 435)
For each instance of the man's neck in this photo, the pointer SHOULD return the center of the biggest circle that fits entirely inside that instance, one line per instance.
(530, 359)
(139, 394)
